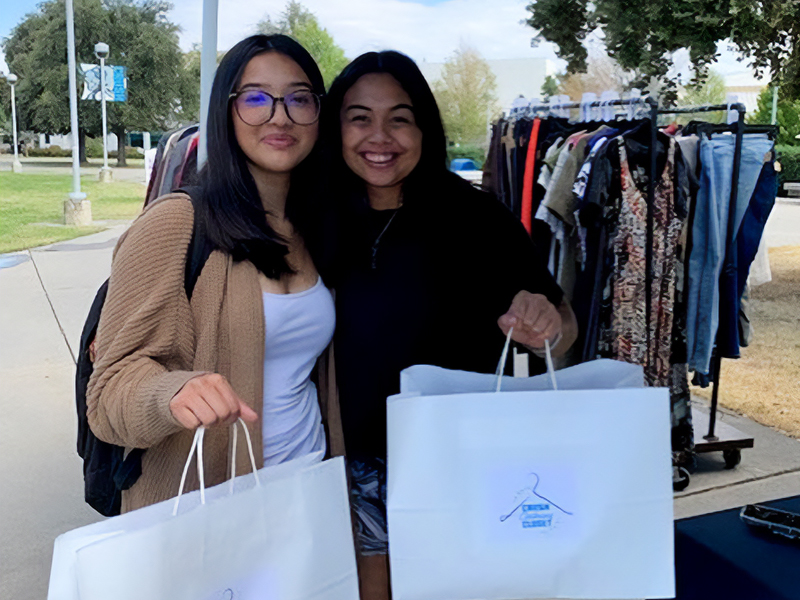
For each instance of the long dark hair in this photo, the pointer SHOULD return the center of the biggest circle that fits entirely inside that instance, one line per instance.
(431, 171)
(230, 207)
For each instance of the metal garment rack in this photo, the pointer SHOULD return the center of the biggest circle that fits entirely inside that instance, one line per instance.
(730, 441)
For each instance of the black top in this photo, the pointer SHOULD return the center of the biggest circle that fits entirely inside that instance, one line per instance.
(444, 271)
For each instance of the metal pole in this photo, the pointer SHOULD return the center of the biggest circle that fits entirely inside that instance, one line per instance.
(16, 166)
(76, 208)
(774, 118)
(103, 103)
(208, 65)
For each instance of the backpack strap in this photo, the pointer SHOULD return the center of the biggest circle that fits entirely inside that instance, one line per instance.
(200, 247)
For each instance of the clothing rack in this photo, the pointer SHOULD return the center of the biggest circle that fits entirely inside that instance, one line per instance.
(720, 436)
(728, 439)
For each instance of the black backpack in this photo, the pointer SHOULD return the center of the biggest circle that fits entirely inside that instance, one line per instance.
(107, 471)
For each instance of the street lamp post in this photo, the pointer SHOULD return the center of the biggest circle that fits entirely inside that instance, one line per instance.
(101, 51)
(12, 81)
(77, 209)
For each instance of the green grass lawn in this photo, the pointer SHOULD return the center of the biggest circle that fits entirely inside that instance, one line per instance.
(32, 207)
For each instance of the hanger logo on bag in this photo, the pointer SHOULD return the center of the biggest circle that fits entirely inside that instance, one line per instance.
(535, 510)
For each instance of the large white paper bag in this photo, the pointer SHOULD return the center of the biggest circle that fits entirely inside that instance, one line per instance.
(289, 537)
(549, 494)
(602, 374)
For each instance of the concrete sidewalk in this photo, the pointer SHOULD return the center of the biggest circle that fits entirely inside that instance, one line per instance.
(42, 481)
(63, 166)
(46, 294)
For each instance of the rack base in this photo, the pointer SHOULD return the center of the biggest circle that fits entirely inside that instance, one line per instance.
(727, 439)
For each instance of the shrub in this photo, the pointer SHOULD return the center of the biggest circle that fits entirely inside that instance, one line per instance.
(94, 149)
(789, 157)
(50, 152)
(476, 153)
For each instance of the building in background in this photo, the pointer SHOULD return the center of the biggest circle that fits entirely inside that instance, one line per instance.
(747, 95)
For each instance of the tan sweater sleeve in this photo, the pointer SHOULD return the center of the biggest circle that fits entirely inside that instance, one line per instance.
(145, 338)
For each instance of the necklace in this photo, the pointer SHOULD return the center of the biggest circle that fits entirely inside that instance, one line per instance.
(378, 240)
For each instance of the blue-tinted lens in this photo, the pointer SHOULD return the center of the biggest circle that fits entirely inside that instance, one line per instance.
(254, 106)
(255, 99)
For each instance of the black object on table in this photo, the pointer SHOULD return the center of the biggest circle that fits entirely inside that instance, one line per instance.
(719, 557)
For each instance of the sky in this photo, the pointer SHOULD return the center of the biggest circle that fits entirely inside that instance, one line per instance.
(426, 30)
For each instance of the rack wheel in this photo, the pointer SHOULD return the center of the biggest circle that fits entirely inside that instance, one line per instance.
(732, 458)
(680, 479)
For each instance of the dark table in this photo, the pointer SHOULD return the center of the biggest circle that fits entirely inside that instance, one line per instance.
(718, 557)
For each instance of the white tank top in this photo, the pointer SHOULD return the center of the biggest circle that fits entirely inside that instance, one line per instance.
(298, 329)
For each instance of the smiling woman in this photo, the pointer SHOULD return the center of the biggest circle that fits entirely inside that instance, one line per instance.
(245, 343)
(430, 271)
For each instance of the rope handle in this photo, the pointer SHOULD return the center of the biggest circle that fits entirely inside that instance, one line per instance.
(548, 356)
(197, 448)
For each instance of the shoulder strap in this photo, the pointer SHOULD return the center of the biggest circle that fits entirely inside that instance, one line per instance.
(200, 247)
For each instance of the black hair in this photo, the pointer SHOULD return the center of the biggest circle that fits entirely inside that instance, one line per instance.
(431, 171)
(229, 207)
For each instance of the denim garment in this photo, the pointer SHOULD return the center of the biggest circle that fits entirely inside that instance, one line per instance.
(740, 257)
(709, 236)
(754, 221)
(753, 152)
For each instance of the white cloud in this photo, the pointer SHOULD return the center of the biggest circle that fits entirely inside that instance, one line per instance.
(423, 32)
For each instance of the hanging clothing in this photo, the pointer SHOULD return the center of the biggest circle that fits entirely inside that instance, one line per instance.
(667, 224)
(527, 184)
(629, 312)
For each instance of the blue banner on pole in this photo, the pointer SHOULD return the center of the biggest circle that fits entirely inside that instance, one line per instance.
(120, 84)
(116, 83)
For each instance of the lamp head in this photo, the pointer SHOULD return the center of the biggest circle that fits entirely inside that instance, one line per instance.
(101, 50)
(12, 79)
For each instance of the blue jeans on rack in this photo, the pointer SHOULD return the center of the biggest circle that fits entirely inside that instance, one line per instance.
(739, 258)
(710, 238)
(755, 220)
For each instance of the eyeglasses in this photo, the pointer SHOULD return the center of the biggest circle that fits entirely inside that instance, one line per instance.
(256, 107)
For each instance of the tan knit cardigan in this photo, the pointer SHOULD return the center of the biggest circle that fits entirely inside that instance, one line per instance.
(151, 340)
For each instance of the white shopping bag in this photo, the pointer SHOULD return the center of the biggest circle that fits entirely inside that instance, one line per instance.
(282, 533)
(530, 494)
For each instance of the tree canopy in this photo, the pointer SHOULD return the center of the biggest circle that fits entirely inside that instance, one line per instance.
(788, 116)
(550, 87)
(466, 96)
(5, 107)
(161, 92)
(301, 24)
(712, 90)
(642, 36)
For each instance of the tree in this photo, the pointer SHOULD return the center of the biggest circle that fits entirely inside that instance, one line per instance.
(603, 74)
(140, 38)
(466, 96)
(644, 36)
(788, 116)
(549, 87)
(5, 108)
(710, 91)
(301, 24)
(161, 92)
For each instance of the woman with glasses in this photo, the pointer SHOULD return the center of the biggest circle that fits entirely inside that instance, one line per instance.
(431, 271)
(259, 316)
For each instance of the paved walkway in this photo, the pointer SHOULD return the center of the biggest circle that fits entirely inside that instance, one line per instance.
(45, 295)
(63, 166)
